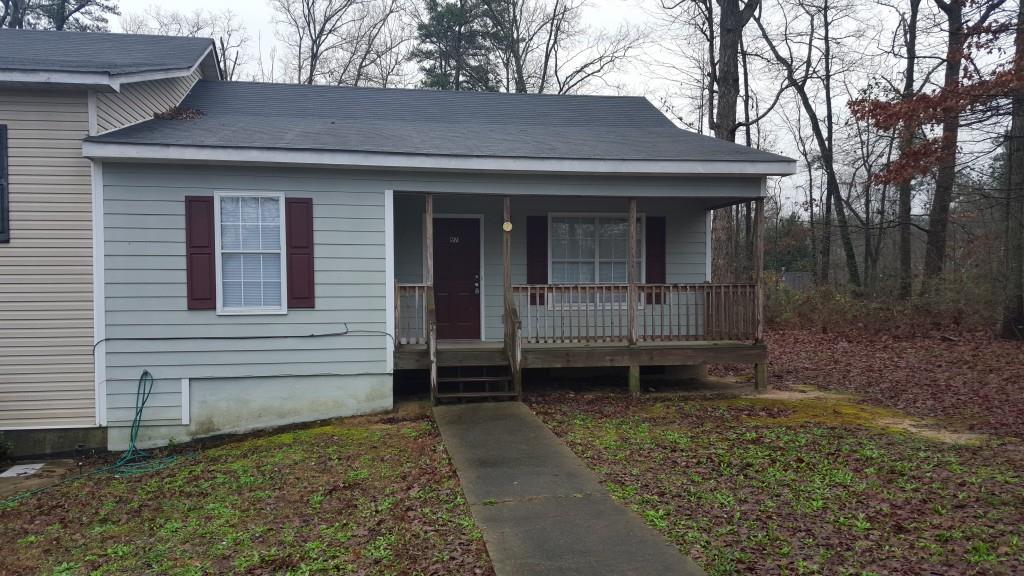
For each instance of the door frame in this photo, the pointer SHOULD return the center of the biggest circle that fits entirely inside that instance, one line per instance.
(480, 218)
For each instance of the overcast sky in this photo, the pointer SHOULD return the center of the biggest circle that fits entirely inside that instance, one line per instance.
(258, 15)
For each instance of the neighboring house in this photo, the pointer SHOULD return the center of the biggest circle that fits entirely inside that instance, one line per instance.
(56, 88)
(274, 255)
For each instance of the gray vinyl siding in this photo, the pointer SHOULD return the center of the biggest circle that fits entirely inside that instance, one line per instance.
(139, 101)
(685, 238)
(144, 222)
(46, 368)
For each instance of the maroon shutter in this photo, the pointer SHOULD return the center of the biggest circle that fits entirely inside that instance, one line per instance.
(298, 216)
(199, 253)
(654, 263)
(537, 254)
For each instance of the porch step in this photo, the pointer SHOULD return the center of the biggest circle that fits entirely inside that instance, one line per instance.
(470, 357)
(463, 382)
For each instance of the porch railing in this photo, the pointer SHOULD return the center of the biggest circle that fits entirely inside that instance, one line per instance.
(664, 312)
(411, 313)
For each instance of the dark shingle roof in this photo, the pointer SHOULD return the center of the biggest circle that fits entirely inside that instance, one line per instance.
(301, 117)
(97, 52)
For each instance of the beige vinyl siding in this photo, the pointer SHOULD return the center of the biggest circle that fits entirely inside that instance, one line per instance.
(139, 101)
(46, 368)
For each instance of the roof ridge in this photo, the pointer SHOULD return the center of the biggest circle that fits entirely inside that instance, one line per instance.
(101, 33)
(425, 90)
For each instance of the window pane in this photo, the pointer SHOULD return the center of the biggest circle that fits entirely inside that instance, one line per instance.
(251, 267)
(250, 210)
(271, 236)
(232, 296)
(270, 212)
(250, 236)
(271, 268)
(229, 211)
(272, 294)
(232, 267)
(586, 273)
(252, 294)
(230, 237)
(558, 273)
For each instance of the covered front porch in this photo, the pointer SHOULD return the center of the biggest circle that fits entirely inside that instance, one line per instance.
(487, 286)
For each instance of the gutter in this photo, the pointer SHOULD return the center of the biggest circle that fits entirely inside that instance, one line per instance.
(165, 153)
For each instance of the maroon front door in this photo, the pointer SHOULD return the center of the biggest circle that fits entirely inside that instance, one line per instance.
(457, 277)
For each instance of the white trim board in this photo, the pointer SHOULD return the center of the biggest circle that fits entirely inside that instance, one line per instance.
(708, 221)
(351, 159)
(99, 313)
(186, 402)
(389, 280)
(483, 303)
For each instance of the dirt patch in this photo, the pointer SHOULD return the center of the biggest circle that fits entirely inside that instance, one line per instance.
(51, 473)
(807, 404)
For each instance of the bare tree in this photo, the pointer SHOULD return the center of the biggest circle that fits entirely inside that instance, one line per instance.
(226, 29)
(544, 46)
(945, 177)
(805, 56)
(354, 42)
(1012, 321)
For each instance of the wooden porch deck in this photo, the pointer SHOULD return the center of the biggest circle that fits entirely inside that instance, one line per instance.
(582, 354)
(584, 325)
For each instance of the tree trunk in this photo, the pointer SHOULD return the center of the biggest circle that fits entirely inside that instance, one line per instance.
(945, 178)
(723, 259)
(826, 239)
(906, 274)
(730, 31)
(1012, 325)
(726, 75)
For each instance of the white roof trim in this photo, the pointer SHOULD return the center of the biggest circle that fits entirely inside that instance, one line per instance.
(114, 81)
(214, 154)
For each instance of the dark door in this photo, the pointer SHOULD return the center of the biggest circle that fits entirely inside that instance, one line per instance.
(457, 277)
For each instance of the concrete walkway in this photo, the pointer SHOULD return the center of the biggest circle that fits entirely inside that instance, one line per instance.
(542, 512)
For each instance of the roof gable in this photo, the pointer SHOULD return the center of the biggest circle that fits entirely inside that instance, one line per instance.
(94, 55)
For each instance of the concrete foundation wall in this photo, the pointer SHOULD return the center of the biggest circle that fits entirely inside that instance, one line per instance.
(235, 405)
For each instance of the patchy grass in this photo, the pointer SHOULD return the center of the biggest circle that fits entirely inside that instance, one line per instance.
(358, 497)
(801, 487)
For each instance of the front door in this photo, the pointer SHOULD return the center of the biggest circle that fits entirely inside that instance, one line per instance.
(457, 278)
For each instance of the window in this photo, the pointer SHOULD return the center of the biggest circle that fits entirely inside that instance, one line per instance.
(592, 249)
(250, 255)
(5, 221)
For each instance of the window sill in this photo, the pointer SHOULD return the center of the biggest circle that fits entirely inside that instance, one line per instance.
(252, 312)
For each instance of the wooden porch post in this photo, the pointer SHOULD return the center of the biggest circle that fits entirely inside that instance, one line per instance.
(631, 296)
(428, 245)
(430, 328)
(759, 267)
(506, 271)
(760, 370)
(506, 250)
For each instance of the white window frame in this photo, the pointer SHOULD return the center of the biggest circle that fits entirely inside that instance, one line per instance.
(221, 311)
(641, 258)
